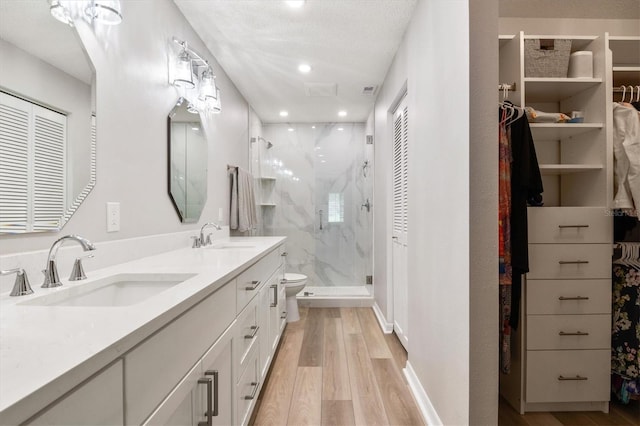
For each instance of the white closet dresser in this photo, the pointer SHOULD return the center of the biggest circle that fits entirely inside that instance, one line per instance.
(561, 350)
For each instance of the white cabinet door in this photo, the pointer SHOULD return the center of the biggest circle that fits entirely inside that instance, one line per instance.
(97, 402)
(216, 365)
(264, 312)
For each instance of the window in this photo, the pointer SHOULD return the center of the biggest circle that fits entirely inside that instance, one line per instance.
(336, 207)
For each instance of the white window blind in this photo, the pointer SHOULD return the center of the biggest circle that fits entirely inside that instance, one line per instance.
(32, 166)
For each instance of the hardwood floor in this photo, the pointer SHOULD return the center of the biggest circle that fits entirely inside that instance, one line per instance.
(336, 367)
(619, 414)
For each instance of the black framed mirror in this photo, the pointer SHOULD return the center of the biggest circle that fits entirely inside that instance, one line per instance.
(187, 161)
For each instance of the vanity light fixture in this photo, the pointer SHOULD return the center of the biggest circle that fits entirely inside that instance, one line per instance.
(60, 9)
(191, 71)
(106, 12)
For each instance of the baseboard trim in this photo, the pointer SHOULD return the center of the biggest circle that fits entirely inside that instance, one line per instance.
(387, 327)
(427, 410)
(335, 302)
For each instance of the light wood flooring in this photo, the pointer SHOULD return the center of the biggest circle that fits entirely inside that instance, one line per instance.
(336, 367)
(619, 414)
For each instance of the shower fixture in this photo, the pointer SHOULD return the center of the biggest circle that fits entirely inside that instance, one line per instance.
(107, 12)
(365, 168)
(366, 205)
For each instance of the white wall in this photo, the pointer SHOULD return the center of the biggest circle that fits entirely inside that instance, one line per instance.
(435, 61)
(133, 100)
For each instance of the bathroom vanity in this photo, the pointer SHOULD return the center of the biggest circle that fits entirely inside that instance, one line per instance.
(184, 337)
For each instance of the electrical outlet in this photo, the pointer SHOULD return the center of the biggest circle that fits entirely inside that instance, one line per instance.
(113, 217)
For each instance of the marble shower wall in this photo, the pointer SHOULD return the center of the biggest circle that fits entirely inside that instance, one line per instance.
(309, 164)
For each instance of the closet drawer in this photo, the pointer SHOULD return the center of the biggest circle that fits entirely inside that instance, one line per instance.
(569, 225)
(250, 281)
(568, 332)
(547, 369)
(246, 335)
(568, 296)
(566, 261)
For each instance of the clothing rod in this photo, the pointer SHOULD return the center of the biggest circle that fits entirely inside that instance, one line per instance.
(508, 87)
(625, 89)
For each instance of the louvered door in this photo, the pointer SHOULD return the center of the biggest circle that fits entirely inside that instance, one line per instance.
(32, 166)
(400, 222)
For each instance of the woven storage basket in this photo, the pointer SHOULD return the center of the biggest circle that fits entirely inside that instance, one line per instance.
(552, 60)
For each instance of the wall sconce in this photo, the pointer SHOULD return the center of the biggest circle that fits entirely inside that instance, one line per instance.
(194, 76)
(107, 12)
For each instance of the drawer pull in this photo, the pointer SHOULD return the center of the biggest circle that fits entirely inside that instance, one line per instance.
(573, 262)
(255, 390)
(572, 226)
(255, 329)
(283, 316)
(573, 298)
(214, 373)
(207, 381)
(274, 287)
(284, 254)
(577, 377)
(575, 333)
(253, 286)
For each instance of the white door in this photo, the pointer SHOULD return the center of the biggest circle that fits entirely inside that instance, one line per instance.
(400, 223)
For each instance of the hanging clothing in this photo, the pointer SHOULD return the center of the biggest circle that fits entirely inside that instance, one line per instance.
(626, 153)
(519, 181)
(625, 337)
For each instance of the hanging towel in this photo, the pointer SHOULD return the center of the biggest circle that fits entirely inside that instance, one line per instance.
(243, 216)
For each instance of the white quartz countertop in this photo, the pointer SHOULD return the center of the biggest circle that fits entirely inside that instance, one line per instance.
(45, 351)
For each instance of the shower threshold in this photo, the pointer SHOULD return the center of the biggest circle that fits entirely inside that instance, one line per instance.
(336, 296)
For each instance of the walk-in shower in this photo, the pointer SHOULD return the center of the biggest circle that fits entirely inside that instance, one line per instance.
(313, 189)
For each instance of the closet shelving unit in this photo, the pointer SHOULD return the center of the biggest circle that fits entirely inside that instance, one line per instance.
(555, 366)
(625, 52)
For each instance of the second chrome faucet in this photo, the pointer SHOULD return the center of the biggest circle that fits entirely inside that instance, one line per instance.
(51, 278)
(202, 241)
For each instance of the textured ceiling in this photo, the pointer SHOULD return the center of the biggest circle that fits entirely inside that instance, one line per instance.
(260, 43)
(578, 9)
(28, 25)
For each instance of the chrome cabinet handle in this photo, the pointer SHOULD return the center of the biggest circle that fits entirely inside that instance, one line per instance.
(577, 377)
(274, 287)
(253, 286)
(284, 315)
(284, 254)
(573, 262)
(255, 329)
(572, 226)
(573, 298)
(575, 333)
(214, 374)
(207, 381)
(255, 390)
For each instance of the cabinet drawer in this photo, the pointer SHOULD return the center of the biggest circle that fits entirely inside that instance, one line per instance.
(247, 389)
(568, 296)
(566, 261)
(249, 282)
(247, 335)
(568, 332)
(569, 225)
(547, 369)
(156, 366)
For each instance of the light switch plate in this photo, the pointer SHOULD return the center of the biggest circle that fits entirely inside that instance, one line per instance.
(113, 217)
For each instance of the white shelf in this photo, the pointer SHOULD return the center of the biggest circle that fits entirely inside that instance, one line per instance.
(504, 38)
(267, 205)
(267, 178)
(558, 131)
(541, 89)
(563, 169)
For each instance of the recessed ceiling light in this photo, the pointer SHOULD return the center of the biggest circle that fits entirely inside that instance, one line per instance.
(296, 4)
(320, 155)
(323, 161)
(340, 128)
(313, 127)
(342, 113)
(304, 68)
(290, 129)
(283, 113)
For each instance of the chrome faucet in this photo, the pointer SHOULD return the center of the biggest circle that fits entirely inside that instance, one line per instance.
(51, 278)
(207, 241)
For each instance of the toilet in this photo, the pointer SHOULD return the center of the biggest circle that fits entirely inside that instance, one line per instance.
(293, 284)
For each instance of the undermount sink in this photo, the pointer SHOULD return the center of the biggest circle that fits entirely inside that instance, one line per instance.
(232, 245)
(116, 290)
